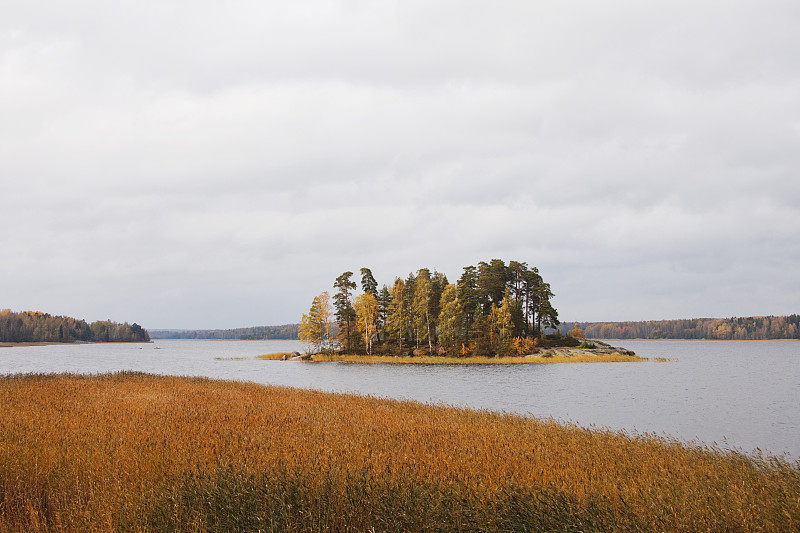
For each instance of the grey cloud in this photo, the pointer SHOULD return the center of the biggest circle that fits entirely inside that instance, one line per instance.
(185, 164)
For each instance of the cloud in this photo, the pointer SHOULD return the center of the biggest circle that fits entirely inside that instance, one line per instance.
(216, 165)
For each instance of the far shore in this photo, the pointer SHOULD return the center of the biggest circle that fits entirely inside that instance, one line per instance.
(19, 344)
(25, 344)
(709, 340)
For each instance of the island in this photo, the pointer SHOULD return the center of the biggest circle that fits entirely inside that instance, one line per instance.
(495, 313)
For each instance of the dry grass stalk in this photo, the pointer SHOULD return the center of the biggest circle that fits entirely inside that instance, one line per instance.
(135, 452)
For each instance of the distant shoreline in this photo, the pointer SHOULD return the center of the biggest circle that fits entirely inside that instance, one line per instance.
(698, 340)
(27, 344)
(24, 344)
(786, 327)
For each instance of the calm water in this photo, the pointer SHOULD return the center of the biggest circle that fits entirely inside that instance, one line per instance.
(743, 395)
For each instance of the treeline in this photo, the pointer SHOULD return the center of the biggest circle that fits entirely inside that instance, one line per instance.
(255, 333)
(493, 309)
(736, 328)
(34, 326)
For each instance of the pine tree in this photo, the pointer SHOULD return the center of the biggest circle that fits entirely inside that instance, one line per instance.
(451, 320)
(468, 294)
(531, 284)
(491, 283)
(384, 301)
(345, 314)
(547, 316)
(368, 283)
(420, 310)
(399, 317)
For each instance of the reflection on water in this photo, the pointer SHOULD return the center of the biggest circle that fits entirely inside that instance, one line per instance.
(735, 394)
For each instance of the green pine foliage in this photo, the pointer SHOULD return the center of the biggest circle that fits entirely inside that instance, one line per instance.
(345, 312)
(490, 306)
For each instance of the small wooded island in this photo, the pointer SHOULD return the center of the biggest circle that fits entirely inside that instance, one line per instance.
(495, 312)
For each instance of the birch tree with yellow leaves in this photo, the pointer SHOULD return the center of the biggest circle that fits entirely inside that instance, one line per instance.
(316, 326)
(367, 318)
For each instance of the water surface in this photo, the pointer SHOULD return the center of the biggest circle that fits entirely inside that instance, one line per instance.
(743, 395)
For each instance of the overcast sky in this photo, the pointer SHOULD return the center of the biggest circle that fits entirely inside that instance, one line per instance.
(197, 164)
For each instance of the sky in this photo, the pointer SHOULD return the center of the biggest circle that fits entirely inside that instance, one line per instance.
(197, 164)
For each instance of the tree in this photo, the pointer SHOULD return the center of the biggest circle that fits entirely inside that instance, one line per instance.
(308, 332)
(399, 318)
(531, 283)
(421, 309)
(516, 278)
(479, 333)
(547, 316)
(468, 294)
(35, 326)
(491, 304)
(315, 327)
(451, 320)
(409, 294)
(367, 313)
(345, 314)
(501, 326)
(384, 301)
(518, 275)
(576, 332)
(491, 283)
(368, 283)
(438, 283)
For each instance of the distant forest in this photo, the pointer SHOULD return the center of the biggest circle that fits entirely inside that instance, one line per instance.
(255, 333)
(34, 326)
(746, 328)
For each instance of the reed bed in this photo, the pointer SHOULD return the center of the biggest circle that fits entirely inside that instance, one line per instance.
(277, 356)
(479, 360)
(135, 452)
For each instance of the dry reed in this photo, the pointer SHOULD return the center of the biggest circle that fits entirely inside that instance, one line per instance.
(134, 452)
(277, 356)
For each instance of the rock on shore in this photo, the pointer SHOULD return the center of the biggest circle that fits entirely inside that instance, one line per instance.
(601, 348)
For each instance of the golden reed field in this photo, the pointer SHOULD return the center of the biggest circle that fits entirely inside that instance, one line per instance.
(134, 452)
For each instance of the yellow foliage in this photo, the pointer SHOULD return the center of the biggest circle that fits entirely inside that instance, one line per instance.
(576, 332)
(366, 307)
(524, 345)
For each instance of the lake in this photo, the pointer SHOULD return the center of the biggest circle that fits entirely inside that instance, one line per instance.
(742, 395)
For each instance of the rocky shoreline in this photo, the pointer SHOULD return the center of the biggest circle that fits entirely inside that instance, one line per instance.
(600, 348)
(588, 349)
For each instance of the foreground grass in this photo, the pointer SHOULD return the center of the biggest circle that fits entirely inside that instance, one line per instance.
(133, 452)
(478, 360)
